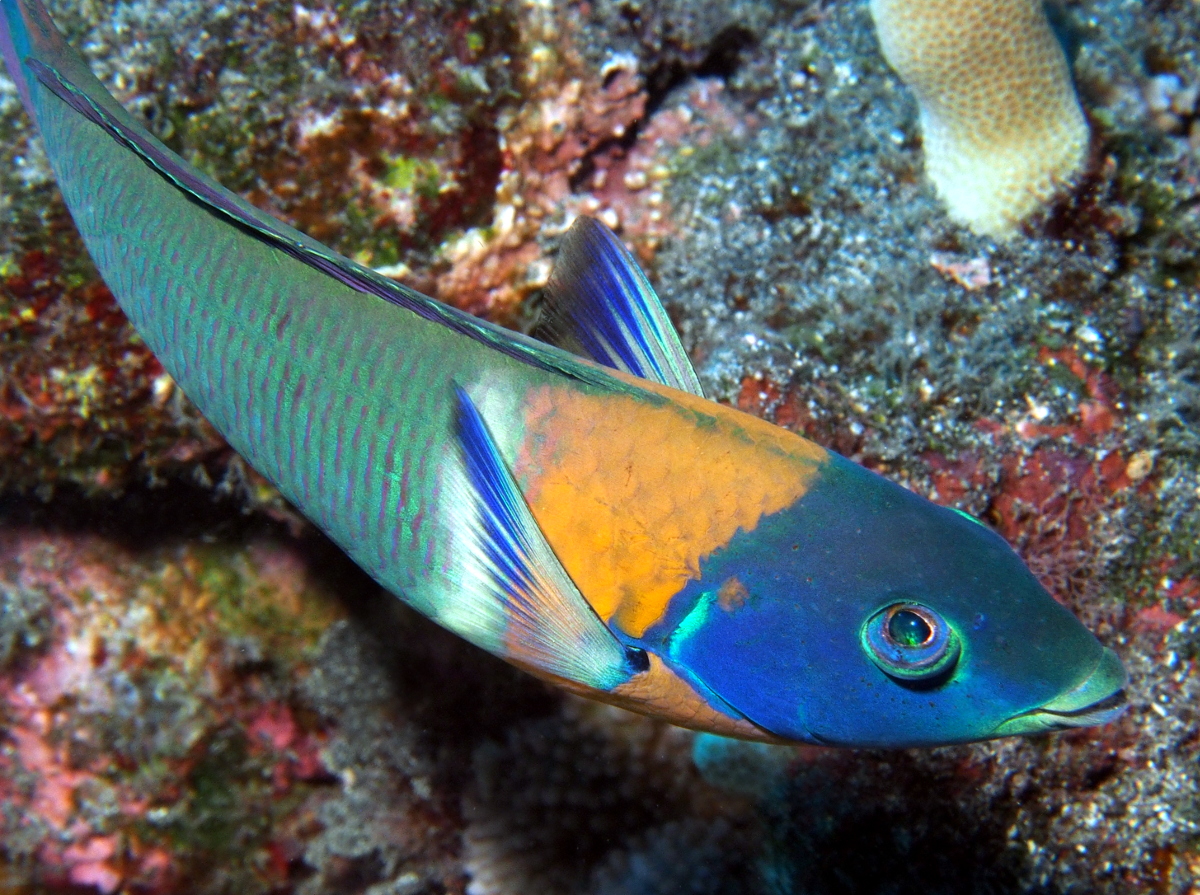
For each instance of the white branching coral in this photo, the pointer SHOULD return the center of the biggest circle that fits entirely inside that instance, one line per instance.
(1002, 126)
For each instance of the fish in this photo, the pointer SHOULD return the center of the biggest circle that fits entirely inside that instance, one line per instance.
(575, 505)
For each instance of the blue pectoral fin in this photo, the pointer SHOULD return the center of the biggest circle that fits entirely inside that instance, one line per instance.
(602, 306)
(548, 623)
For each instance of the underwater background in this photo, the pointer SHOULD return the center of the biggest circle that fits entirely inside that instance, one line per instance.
(198, 693)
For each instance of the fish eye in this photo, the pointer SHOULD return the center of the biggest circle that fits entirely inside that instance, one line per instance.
(910, 642)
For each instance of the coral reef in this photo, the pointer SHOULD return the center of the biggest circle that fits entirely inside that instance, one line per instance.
(1001, 125)
(450, 167)
(198, 695)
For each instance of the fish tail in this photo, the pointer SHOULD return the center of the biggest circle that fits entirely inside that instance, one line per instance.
(14, 46)
(28, 33)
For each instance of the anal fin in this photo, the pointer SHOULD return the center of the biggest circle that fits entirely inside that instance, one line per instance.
(549, 625)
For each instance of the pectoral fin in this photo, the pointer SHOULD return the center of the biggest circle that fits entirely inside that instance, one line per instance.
(548, 623)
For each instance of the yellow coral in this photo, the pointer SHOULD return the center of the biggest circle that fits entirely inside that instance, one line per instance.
(1003, 129)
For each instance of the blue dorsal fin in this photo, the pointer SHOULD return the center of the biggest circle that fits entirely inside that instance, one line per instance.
(603, 307)
(548, 624)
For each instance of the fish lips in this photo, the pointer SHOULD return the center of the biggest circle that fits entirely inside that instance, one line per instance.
(1098, 699)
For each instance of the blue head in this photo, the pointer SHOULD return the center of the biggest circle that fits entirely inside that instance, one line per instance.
(864, 615)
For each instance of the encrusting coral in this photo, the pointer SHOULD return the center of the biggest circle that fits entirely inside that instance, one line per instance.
(1002, 126)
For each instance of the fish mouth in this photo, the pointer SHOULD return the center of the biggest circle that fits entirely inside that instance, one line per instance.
(1097, 700)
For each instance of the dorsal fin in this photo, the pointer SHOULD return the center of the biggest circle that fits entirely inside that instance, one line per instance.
(603, 307)
(547, 622)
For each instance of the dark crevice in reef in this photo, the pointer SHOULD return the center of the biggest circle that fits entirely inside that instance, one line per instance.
(664, 77)
(138, 518)
(145, 518)
(721, 60)
(909, 844)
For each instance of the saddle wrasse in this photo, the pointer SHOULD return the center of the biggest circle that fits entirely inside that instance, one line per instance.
(586, 515)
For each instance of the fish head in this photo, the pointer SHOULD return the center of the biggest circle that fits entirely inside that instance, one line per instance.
(864, 615)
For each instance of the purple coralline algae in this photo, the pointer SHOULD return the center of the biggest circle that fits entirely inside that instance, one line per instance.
(198, 694)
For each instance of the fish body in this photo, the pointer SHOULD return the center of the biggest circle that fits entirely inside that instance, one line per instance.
(594, 519)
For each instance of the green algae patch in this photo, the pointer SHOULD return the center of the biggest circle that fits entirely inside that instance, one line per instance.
(229, 813)
(412, 174)
(215, 822)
